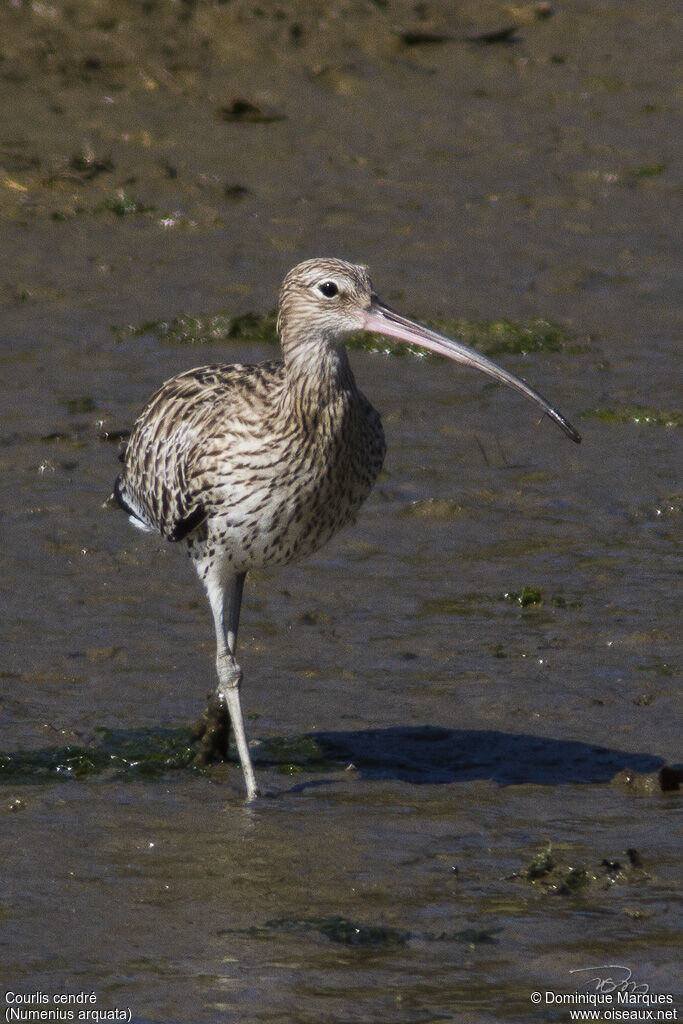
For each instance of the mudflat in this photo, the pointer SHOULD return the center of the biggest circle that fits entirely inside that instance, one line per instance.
(464, 710)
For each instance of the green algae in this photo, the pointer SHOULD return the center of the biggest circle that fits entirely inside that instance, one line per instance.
(541, 865)
(363, 341)
(131, 753)
(292, 754)
(636, 414)
(527, 597)
(668, 779)
(575, 880)
(69, 761)
(503, 336)
(125, 753)
(121, 204)
(551, 874)
(124, 205)
(202, 330)
(649, 170)
(492, 337)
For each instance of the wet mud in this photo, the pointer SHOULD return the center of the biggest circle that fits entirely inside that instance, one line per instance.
(464, 712)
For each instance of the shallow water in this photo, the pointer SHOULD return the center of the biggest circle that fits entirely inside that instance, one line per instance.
(452, 732)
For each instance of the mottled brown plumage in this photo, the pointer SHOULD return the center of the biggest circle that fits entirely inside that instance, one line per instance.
(258, 466)
(259, 473)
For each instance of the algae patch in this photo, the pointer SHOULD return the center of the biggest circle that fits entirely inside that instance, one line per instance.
(511, 337)
(132, 753)
(667, 779)
(527, 597)
(554, 875)
(492, 337)
(125, 753)
(124, 205)
(640, 415)
(291, 754)
(202, 330)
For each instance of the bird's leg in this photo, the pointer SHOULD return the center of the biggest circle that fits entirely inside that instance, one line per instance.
(230, 679)
(212, 730)
(234, 613)
(224, 706)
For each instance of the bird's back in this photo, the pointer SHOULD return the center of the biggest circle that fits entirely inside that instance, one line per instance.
(223, 456)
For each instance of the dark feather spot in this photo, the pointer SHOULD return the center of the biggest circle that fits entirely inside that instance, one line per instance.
(188, 524)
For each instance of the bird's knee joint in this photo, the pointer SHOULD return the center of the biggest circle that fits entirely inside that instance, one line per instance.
(229, 674)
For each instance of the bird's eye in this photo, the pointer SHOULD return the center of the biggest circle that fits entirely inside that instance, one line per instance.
(329, 289)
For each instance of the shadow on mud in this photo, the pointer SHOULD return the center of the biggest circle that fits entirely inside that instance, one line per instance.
(429, 754)
(422, 755)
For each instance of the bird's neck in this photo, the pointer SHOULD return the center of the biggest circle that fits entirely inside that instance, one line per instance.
(317, 375)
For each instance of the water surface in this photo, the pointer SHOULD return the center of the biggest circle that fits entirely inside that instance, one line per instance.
(456, 731)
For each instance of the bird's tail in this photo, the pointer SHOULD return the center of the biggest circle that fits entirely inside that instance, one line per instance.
(117, 498)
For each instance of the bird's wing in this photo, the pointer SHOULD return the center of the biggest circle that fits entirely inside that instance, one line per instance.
(161, 487)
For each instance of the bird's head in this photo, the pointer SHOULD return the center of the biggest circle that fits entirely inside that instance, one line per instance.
(321, 300)
(324, 299)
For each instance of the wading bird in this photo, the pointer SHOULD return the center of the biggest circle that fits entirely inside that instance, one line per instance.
(251, 467)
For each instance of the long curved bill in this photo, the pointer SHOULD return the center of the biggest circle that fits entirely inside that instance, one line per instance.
(381, 320)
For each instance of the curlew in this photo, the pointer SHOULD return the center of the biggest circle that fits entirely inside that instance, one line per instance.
(251, 467)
